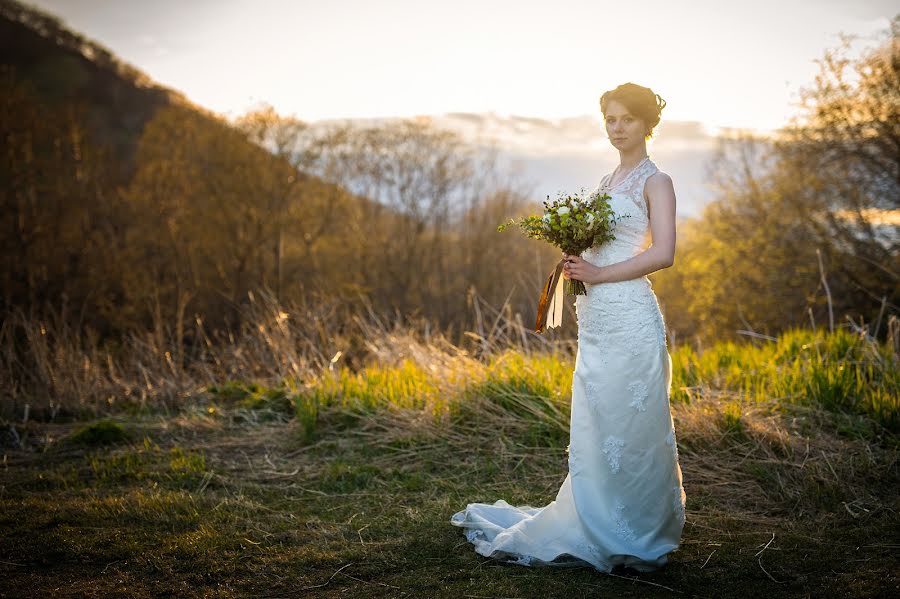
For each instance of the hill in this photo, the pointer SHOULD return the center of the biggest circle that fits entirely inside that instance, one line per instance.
(66, 68)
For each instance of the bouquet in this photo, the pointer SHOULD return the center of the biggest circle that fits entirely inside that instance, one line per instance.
(573, 223)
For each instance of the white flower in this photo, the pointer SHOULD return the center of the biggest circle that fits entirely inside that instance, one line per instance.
(562, 210)
(589, 218)
(547, 218)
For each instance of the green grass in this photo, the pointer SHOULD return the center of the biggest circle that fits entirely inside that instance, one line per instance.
(343, 485)
(101, 432)
(840, 371)
(218, 507)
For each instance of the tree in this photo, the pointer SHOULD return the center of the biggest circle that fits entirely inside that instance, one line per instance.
(825, 188)
(840, 164)
(58, 213)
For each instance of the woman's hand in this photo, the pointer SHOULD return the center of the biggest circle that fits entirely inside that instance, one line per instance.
(580, 269)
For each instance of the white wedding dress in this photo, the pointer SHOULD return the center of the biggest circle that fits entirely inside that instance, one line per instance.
(622, 501)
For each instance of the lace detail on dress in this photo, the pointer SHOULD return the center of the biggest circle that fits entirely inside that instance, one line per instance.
(592, 392)
(678, 504)
(633, 185)
(612, 447)
(624, 531)
(635, 349)
(574, 461)
(639, 393)
(588, 319)
(661, 332)
(672, 442)
(590, 549)
(625, 311)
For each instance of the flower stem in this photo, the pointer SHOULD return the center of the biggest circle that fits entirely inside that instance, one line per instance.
(574, 287)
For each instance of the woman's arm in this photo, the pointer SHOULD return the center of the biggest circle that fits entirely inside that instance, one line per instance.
(661, 253)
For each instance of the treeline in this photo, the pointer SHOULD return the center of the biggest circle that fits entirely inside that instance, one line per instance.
(401, 216)
(215, 211)
(806, 226)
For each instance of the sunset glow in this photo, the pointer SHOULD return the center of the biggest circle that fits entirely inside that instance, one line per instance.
(734, 65)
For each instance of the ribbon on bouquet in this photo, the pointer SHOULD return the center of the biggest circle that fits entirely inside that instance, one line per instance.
(550, 305)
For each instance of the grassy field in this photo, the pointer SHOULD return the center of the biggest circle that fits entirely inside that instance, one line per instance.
(342, 484)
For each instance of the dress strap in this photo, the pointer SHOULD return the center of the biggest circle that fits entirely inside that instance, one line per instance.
(603, 181)
(637, 193)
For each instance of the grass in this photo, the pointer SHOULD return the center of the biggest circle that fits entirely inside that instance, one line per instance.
(840, 370)
(248, 479)
(212, 503)
(102, 432)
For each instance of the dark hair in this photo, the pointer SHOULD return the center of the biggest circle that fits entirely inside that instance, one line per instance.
(639, 100)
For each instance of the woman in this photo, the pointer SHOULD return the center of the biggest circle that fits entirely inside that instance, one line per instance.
(622, 502)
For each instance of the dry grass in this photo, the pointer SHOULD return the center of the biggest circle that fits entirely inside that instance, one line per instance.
(51, 369)
(214, 501)
(203, 484)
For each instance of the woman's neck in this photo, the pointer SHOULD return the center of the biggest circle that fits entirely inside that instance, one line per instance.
(629, 160)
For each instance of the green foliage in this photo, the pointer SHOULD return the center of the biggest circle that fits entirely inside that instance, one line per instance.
(841, 371)
(535, 388)
(173, 468)
(233, 390)
(254, 396)
(102, 432)
(804, 223)
(404, 386)
(307, 411)
(343, 477)
(572, 223)
(731, 418)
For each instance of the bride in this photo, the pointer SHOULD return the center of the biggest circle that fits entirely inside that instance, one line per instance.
(622, 501)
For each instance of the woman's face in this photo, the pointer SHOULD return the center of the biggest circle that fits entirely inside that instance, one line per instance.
(625, 130)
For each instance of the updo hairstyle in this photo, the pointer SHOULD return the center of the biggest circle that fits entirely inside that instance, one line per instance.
(639, 100)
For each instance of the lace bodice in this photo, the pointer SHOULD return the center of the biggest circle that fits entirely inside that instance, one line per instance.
(631, 230)
(628, 309)
(632, 237)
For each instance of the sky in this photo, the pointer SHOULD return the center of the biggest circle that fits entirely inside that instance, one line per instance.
(720, 63)
(523, 73)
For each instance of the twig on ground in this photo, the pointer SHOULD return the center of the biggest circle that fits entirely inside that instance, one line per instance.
(759, 559)
(316, 586)
(636, 579)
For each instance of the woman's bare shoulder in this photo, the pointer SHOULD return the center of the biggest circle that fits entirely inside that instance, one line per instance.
(660, 177)
(660, 181)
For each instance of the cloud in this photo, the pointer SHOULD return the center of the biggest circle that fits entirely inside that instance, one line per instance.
(553, 155)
